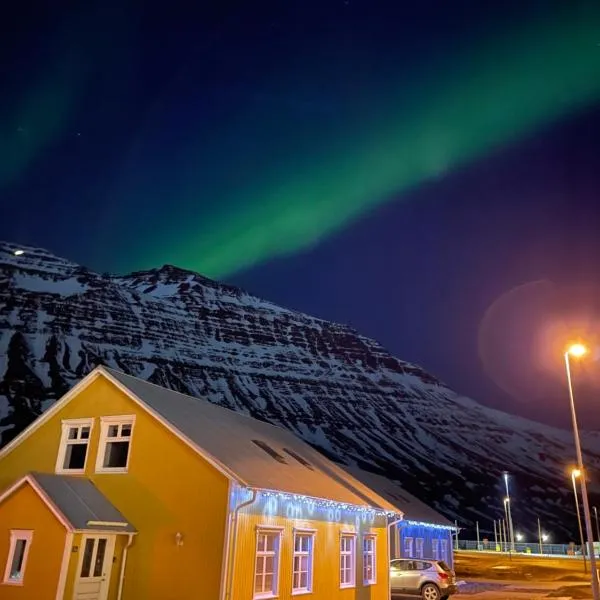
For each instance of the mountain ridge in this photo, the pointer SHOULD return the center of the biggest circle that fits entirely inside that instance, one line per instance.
(339, 390)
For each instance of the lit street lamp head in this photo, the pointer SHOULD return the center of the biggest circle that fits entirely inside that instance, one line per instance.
(577, 350)
(575, 473)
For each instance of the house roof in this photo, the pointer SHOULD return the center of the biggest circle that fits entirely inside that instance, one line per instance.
(84, 506)
(413, 508)
(254, 453)
(77, 503)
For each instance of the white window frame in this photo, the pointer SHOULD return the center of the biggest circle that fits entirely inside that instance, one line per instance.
(370, 555)
(276, 554)
(67, 425)
(444, 552)
(435, 548)
(309, 533)
(420, 548)
(105, 423)
(350, 535)
(408, 543)
(15, 536)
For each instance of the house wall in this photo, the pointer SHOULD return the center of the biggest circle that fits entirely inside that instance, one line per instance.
(168, 488)
(328, 523)
(428, 533)
(24, 509)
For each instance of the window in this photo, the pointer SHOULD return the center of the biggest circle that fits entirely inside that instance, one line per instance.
(115, 444)
(272, 453)
(20, 542)
(419, 542)
(266, 571)
(302, 567)
(435, 549)
(444, 550)
(369, 560)
(301, 460)
(347, 559)
(74, 444)
(408, 547)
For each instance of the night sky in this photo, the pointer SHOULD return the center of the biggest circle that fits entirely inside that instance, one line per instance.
(427, 172)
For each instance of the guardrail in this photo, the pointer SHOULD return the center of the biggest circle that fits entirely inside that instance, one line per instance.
(525, 548)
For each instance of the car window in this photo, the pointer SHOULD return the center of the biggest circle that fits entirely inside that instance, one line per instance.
(402, 565)
(421, 565)
(444, 566)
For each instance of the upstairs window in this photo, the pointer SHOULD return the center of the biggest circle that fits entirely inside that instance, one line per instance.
(114, 448)
(20, 542)
(369, 560)
(419, 543)
(74, 446)
(266, 570)
(408, 547)
(347, 560)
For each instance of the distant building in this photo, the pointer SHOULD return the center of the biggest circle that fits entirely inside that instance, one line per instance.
(124, 490)
(423, 532)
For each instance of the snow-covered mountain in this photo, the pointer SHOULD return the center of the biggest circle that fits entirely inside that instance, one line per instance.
(340, 391)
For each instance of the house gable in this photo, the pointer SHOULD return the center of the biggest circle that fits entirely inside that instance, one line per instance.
(168, 488)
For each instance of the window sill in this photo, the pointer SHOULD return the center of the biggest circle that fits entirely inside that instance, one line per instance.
(368, 583)
(109, 470)
(70, 471)
(345, 586)
(15, 583)
(265, 596)
(301, 592)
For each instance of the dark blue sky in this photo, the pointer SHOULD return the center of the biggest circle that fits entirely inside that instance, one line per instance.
(102, 105)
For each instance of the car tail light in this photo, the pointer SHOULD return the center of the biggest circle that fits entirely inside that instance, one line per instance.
(444, 576)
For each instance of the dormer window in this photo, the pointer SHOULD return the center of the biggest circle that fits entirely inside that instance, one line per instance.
(115, 444)
(74, 446)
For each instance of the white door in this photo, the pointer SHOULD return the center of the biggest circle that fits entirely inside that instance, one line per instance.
(93, 570)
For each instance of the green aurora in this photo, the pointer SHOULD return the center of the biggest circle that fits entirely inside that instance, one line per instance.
(497, 92)
(272, 176)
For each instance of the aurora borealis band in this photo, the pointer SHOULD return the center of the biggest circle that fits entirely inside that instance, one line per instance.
(326, 174)
(230, 166)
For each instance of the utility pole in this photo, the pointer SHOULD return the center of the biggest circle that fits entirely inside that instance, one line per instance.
(495, 536)
(540, 536)
(477, 526)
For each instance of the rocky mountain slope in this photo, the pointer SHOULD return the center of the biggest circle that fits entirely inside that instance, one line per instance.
(340, 391)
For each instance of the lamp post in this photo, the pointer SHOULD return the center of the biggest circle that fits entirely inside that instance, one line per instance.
(510, 523)
(507, 525)
(597, 525)
(577, 350)
(574, 474)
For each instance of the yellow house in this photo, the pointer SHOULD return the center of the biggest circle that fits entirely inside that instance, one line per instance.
(124, 490)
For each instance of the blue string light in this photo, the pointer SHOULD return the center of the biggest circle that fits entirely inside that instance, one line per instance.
(324, 503)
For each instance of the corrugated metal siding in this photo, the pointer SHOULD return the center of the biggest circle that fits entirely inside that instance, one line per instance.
(328, 524)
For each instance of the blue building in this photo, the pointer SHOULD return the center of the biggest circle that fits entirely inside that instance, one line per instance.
(423, 532)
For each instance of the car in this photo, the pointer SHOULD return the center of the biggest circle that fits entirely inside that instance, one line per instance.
(429, 579)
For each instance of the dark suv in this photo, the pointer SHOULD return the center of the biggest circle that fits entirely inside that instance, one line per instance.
(430, 579)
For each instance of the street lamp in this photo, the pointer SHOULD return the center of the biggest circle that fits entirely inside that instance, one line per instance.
(519, 537)
(578, 350)
(574, 474)
(510, 523)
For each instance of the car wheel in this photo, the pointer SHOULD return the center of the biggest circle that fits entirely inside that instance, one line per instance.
(430, 592)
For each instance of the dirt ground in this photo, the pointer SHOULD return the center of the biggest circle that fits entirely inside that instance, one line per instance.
(521, 577)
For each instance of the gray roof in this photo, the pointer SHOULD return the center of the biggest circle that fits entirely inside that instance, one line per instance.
(82, 503)
(413, 508)
(228, 438)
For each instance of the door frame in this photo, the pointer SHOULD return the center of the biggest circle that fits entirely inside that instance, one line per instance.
(107, 566)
